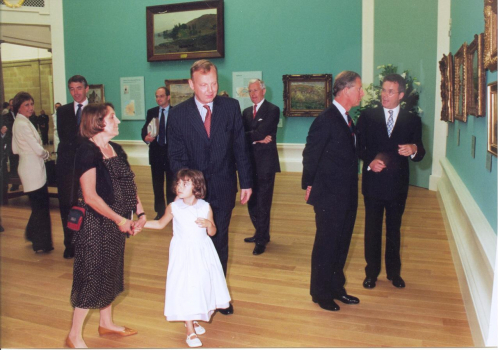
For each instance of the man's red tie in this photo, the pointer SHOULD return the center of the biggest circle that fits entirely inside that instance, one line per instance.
(254, 112)
(207, 121)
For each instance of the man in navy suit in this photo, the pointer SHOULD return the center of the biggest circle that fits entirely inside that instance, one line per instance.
(206, 133)
(158, 151)
(387, 137)
(330, 178)
(68, 121)
(261, 123)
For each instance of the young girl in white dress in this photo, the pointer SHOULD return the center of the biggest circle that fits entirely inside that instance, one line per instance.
(195, 286)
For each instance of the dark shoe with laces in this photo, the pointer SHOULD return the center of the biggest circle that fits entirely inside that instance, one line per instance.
(329, 305)
(397, 281)
(369, 283)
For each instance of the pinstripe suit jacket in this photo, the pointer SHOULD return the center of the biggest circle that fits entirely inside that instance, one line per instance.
(218, 157)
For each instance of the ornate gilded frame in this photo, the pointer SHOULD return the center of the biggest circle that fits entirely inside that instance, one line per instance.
(460, 92)
(96, 93)
(306, 95)
(492, 119)
(490, 58)
(447, 80)
(476, 77)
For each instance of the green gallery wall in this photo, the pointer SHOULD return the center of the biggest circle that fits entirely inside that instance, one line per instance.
(292, 37)
(276, 37)
(468, 20)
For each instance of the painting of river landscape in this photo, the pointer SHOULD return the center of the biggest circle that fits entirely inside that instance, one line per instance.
(185, 31)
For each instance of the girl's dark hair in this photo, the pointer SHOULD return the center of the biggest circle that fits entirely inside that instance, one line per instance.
(197, 179)
(92, 119)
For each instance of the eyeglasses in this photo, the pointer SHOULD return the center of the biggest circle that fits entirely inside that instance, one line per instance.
(389, 92)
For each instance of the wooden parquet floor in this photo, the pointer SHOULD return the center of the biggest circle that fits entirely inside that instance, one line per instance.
(270, 292)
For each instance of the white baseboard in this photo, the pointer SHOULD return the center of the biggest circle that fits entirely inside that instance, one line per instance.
(291, 154)
(473, 246)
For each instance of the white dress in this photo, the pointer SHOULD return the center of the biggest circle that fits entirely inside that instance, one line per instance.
(195, 286)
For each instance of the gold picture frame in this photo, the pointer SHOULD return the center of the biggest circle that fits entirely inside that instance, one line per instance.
(447, 81)
(306, 95)
(95, 93)
(492, 122)
(490, 58)
(476, 77)
(179, 90)
(460, 76)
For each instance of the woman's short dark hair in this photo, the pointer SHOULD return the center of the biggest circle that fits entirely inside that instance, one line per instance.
(197, 179)
(92, 119)
(20, 98)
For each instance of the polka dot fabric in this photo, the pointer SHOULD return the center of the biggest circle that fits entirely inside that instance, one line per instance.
(99, 246)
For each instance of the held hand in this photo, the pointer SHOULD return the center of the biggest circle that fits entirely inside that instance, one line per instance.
(377, 165)
(149, 138)
(139, 224)
(245, 194)
(407, 150)
(127, 227)
(266, 140)
(307, 195)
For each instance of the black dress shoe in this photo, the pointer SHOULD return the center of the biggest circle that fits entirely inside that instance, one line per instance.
(227, 311)
(250, 239)
(259, 249)
(369, 283)
(348, 299)
(69, 253)
(397, 281)
(329, 305)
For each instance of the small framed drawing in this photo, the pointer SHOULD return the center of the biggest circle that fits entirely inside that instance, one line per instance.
(460, 92)
(95, 93)
(492, 114)
(446, 69)
(476, 77)
(490, 57)
(179, 90)
(307, 95)
(190, 30)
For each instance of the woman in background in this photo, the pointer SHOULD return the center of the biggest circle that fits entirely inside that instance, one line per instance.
(27, 143)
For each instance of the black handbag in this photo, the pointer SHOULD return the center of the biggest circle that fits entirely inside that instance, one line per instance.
(76, 213)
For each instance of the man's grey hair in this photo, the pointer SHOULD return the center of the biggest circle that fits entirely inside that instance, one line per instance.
(343, 80)
(261, 83)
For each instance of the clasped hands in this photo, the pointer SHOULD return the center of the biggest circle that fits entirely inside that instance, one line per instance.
(377, 165)
(133, 227)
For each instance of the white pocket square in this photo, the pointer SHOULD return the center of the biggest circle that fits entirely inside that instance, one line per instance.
(260, 119)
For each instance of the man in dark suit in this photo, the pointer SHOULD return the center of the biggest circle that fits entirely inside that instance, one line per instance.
(9, 118)
(43, 123)
(387, 137)
(260, 123)
(158, 151)
(330, 178)
(68, 121)
(206, 133)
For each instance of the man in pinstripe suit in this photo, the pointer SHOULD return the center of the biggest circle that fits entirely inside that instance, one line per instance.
(206, 133)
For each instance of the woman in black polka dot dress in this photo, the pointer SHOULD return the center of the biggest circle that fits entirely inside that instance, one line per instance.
(108, 193)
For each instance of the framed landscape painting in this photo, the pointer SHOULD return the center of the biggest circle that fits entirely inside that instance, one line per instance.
(307, 95)
(447, 81)
(190, 30)
(179, 90)
(460, 76)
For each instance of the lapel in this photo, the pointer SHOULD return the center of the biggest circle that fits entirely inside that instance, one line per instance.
(196, 119)
(216, 119)
(345, 128)
(400, 122)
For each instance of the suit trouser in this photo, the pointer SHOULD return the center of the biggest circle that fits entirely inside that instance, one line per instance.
(159, 174)
(221, 218)
(259, 206)
(334, 228)
(65, 183)
(374, 215)
(14, 164)
(39, 228)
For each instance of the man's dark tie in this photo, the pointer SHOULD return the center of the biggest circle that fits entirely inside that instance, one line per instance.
(78, 114)
(162, 129)
(350, 124)
(254, 112)
(207, 121)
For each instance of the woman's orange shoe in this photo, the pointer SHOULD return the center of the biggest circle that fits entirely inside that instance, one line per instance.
(124, 333)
